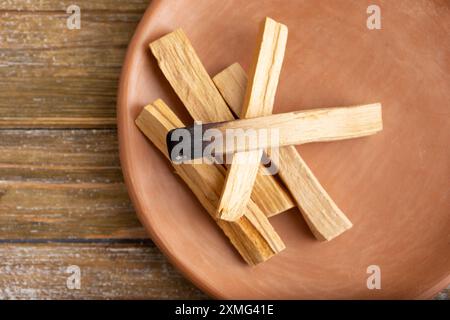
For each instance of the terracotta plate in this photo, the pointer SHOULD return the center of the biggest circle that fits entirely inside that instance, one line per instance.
(394, 186)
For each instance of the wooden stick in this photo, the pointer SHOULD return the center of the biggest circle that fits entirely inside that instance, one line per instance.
(184, 71)
(324, 218)
(292, 128)
(259, 99)
(232, 85)
(252, 235)
(235, 195)
(234, 95)
(265, 70)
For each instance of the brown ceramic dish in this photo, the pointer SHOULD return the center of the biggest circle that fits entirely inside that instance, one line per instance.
(394, 186)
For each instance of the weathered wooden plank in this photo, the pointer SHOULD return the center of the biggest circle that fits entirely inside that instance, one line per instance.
(31, 30)
(59, 184)
(59, 156)
(82, 211)
(61, 77)
(47, 5)
(108, 271)
(41, 66)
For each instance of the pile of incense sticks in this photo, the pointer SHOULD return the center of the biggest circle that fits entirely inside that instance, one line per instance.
(239, 194)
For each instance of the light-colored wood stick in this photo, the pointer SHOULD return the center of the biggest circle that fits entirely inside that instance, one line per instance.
(235, 196)
(291, 128)
(259, 99)
(238, 185)
(324, 218)
(232, 84)
(252, 235)
(188, 77)
(265, 70)
(234, 95)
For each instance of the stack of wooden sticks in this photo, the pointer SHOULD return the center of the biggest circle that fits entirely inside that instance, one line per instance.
(240, 196)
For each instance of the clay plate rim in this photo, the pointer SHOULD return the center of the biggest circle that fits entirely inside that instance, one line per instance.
(128, 171)
(122, 128)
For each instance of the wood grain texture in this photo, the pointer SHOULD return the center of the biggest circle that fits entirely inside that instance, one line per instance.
(41, 211)
(108, 271)
(265, 71)
(188, 77)
(64, 187)
(252, 235)
(60, 156)
(113, 6)
(235, 196)
(234, 95)
(61, 77)
(61, 184)
(321, 213)
(313, 125)
(292, 128)
(323, 216)
(258, 101)
(68, 79)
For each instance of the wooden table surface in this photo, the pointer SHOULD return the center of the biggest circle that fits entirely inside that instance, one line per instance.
(62, 197)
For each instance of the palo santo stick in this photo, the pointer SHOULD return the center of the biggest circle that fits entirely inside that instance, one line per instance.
(252, 235)
(234, 95)
(183, 69)
(265, 70)
(232, 85)
(185, 72)
(238, 184)
(259, 99)
(324, 218)
(292, 128)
